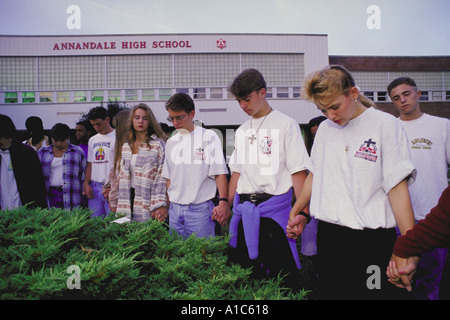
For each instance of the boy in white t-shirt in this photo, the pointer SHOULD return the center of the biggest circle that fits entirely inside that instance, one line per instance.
(195, 169)
(429, 146)
(268, 161)
(100, 161)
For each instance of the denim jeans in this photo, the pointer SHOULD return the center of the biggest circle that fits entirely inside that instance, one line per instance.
(98, 204)
(192, 218)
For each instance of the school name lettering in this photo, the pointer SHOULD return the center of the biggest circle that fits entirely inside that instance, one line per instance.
(112, 45)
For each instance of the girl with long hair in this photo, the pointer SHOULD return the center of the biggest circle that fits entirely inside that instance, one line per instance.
(142, 189)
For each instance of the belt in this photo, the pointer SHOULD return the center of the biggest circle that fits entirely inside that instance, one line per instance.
(255, 198)
(59, 188)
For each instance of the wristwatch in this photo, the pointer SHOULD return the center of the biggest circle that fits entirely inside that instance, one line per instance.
(307, 216)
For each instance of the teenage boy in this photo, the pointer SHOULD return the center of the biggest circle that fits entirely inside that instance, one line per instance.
(35, 129)
(268, 161)
(195, 169)
(429, 143)
(63, 166)
(100, 161)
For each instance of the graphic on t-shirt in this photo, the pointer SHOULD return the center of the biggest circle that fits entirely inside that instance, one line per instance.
(367, 151)
(100, 154)
(266, 145)
(199, 154)
(421, 143)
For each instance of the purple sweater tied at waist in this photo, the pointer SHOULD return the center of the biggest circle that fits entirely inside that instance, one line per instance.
(276, 208)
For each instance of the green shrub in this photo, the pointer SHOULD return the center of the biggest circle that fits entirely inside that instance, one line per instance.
(118, 261)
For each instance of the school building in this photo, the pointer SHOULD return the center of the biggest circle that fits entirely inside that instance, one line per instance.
(58, 78)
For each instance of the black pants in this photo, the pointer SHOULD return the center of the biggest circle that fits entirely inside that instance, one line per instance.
(275, 255)
(352, 263)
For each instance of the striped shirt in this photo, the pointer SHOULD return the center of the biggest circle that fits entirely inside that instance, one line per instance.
(150, 185)
(74, 164)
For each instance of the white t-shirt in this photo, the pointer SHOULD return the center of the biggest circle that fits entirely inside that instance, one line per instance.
(350, 187)
(192, 160)
(56, 172)
(9, 194)
(133, 170)
(101, 155)
(266, 165)
(429, 143)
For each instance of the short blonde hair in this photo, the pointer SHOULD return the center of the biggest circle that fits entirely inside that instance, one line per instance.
(324, 86)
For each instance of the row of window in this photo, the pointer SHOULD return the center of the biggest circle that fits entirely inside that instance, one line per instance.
(379, 80)
(216, 93)
(129, 95)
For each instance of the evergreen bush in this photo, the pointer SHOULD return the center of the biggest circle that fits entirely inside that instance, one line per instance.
(118, 261)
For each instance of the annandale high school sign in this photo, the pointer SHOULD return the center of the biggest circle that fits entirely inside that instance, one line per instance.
(112, 45)
(160, 44)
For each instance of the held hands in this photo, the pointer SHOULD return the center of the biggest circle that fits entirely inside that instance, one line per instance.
(87, 191)
(160, 214)
(221, 213)
(295, 226)
(401, 270)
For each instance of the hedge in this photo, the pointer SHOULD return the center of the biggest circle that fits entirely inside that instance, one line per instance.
(40, 249)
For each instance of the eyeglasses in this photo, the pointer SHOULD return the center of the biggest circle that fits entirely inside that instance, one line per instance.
(177, 118)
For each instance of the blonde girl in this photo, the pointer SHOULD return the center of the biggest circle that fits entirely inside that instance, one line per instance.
(358, 188)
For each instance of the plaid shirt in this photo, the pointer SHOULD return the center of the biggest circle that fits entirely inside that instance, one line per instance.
(74, 164)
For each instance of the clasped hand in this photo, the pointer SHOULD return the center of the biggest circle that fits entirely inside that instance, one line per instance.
(295, 226)
(400, 271)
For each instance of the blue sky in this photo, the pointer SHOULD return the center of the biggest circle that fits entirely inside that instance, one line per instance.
(405, 27)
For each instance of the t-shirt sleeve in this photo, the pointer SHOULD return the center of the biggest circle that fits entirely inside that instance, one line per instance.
(297, 158)
(397, 164)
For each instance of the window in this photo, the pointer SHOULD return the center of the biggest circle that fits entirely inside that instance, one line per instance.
(46, 96)
(79, 96)
(28, 97)
(131, 95)
(114, 95)
(199, 93)
(11, 97)
(215, 93)
(63, 96)
(148, 94)
(97, 96)
(164, 94)
(424, 96)
(283, 92)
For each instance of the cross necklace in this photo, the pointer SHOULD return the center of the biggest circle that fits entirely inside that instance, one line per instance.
(253, 137)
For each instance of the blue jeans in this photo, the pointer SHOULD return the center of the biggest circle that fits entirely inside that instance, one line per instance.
(192, 218)
(98, 204)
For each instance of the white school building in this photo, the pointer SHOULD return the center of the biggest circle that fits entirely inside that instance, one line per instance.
(58, 78)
